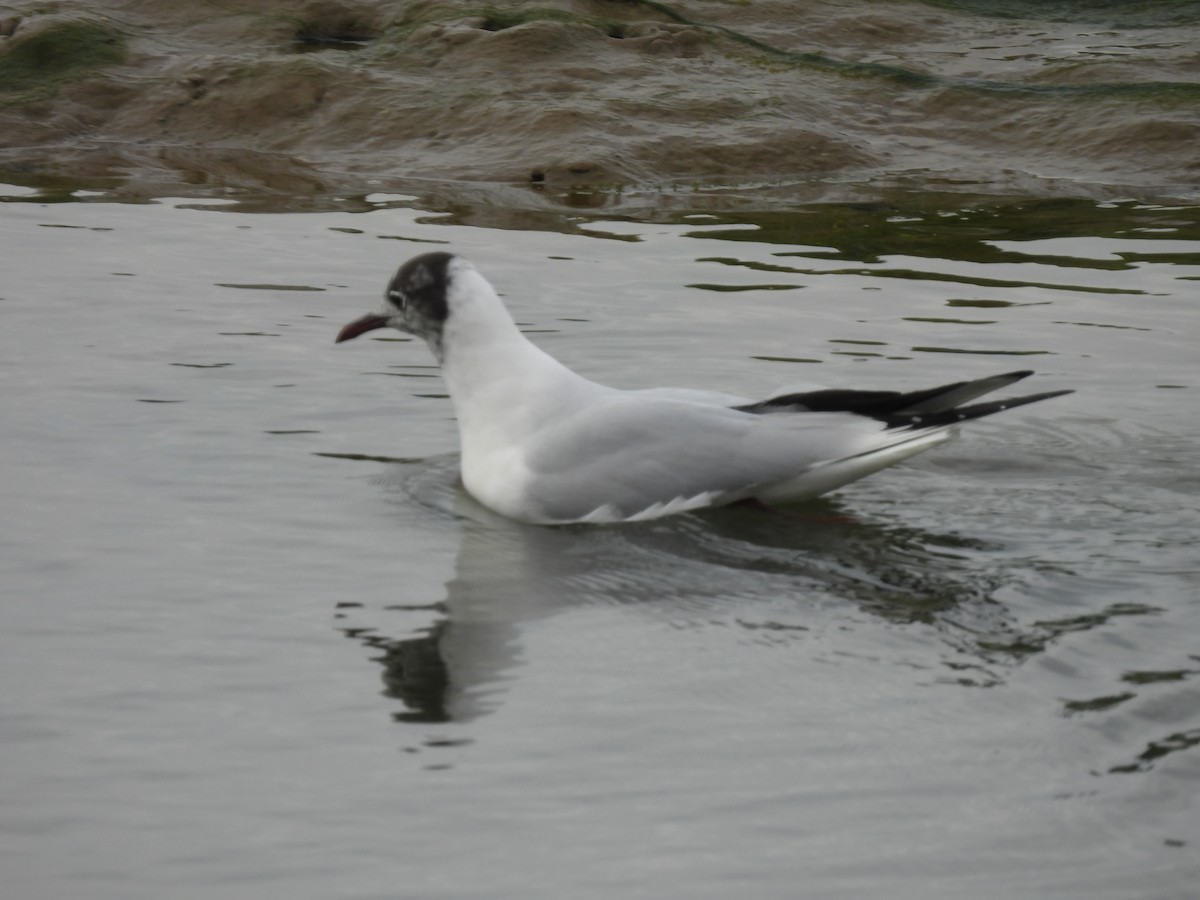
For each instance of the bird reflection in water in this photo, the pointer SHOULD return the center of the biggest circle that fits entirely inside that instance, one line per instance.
(762, 570)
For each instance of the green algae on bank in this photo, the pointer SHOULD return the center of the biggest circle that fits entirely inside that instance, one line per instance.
(36, 65)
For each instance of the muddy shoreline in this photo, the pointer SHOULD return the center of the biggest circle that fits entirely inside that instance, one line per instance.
(602, 103)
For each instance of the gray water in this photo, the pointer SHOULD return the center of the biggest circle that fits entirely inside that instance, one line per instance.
(255, 642)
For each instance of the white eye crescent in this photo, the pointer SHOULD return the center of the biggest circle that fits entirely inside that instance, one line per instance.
(397, 298)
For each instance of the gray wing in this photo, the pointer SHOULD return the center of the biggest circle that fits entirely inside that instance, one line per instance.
(639, 457)
(691, 395)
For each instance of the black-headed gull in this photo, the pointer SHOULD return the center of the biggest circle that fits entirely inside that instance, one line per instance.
(542, 444)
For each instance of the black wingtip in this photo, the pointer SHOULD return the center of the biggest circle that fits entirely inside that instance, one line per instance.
(888, 406)
(966, 413)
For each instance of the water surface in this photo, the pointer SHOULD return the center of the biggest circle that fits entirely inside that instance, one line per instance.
(255, 639)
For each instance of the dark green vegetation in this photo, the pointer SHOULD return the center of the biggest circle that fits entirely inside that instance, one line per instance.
(37, 66)
(1110, 13)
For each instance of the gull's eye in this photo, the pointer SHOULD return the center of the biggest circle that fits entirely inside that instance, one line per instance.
(397, 299)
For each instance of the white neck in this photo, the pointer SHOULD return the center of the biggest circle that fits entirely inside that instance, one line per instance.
(500, 383)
